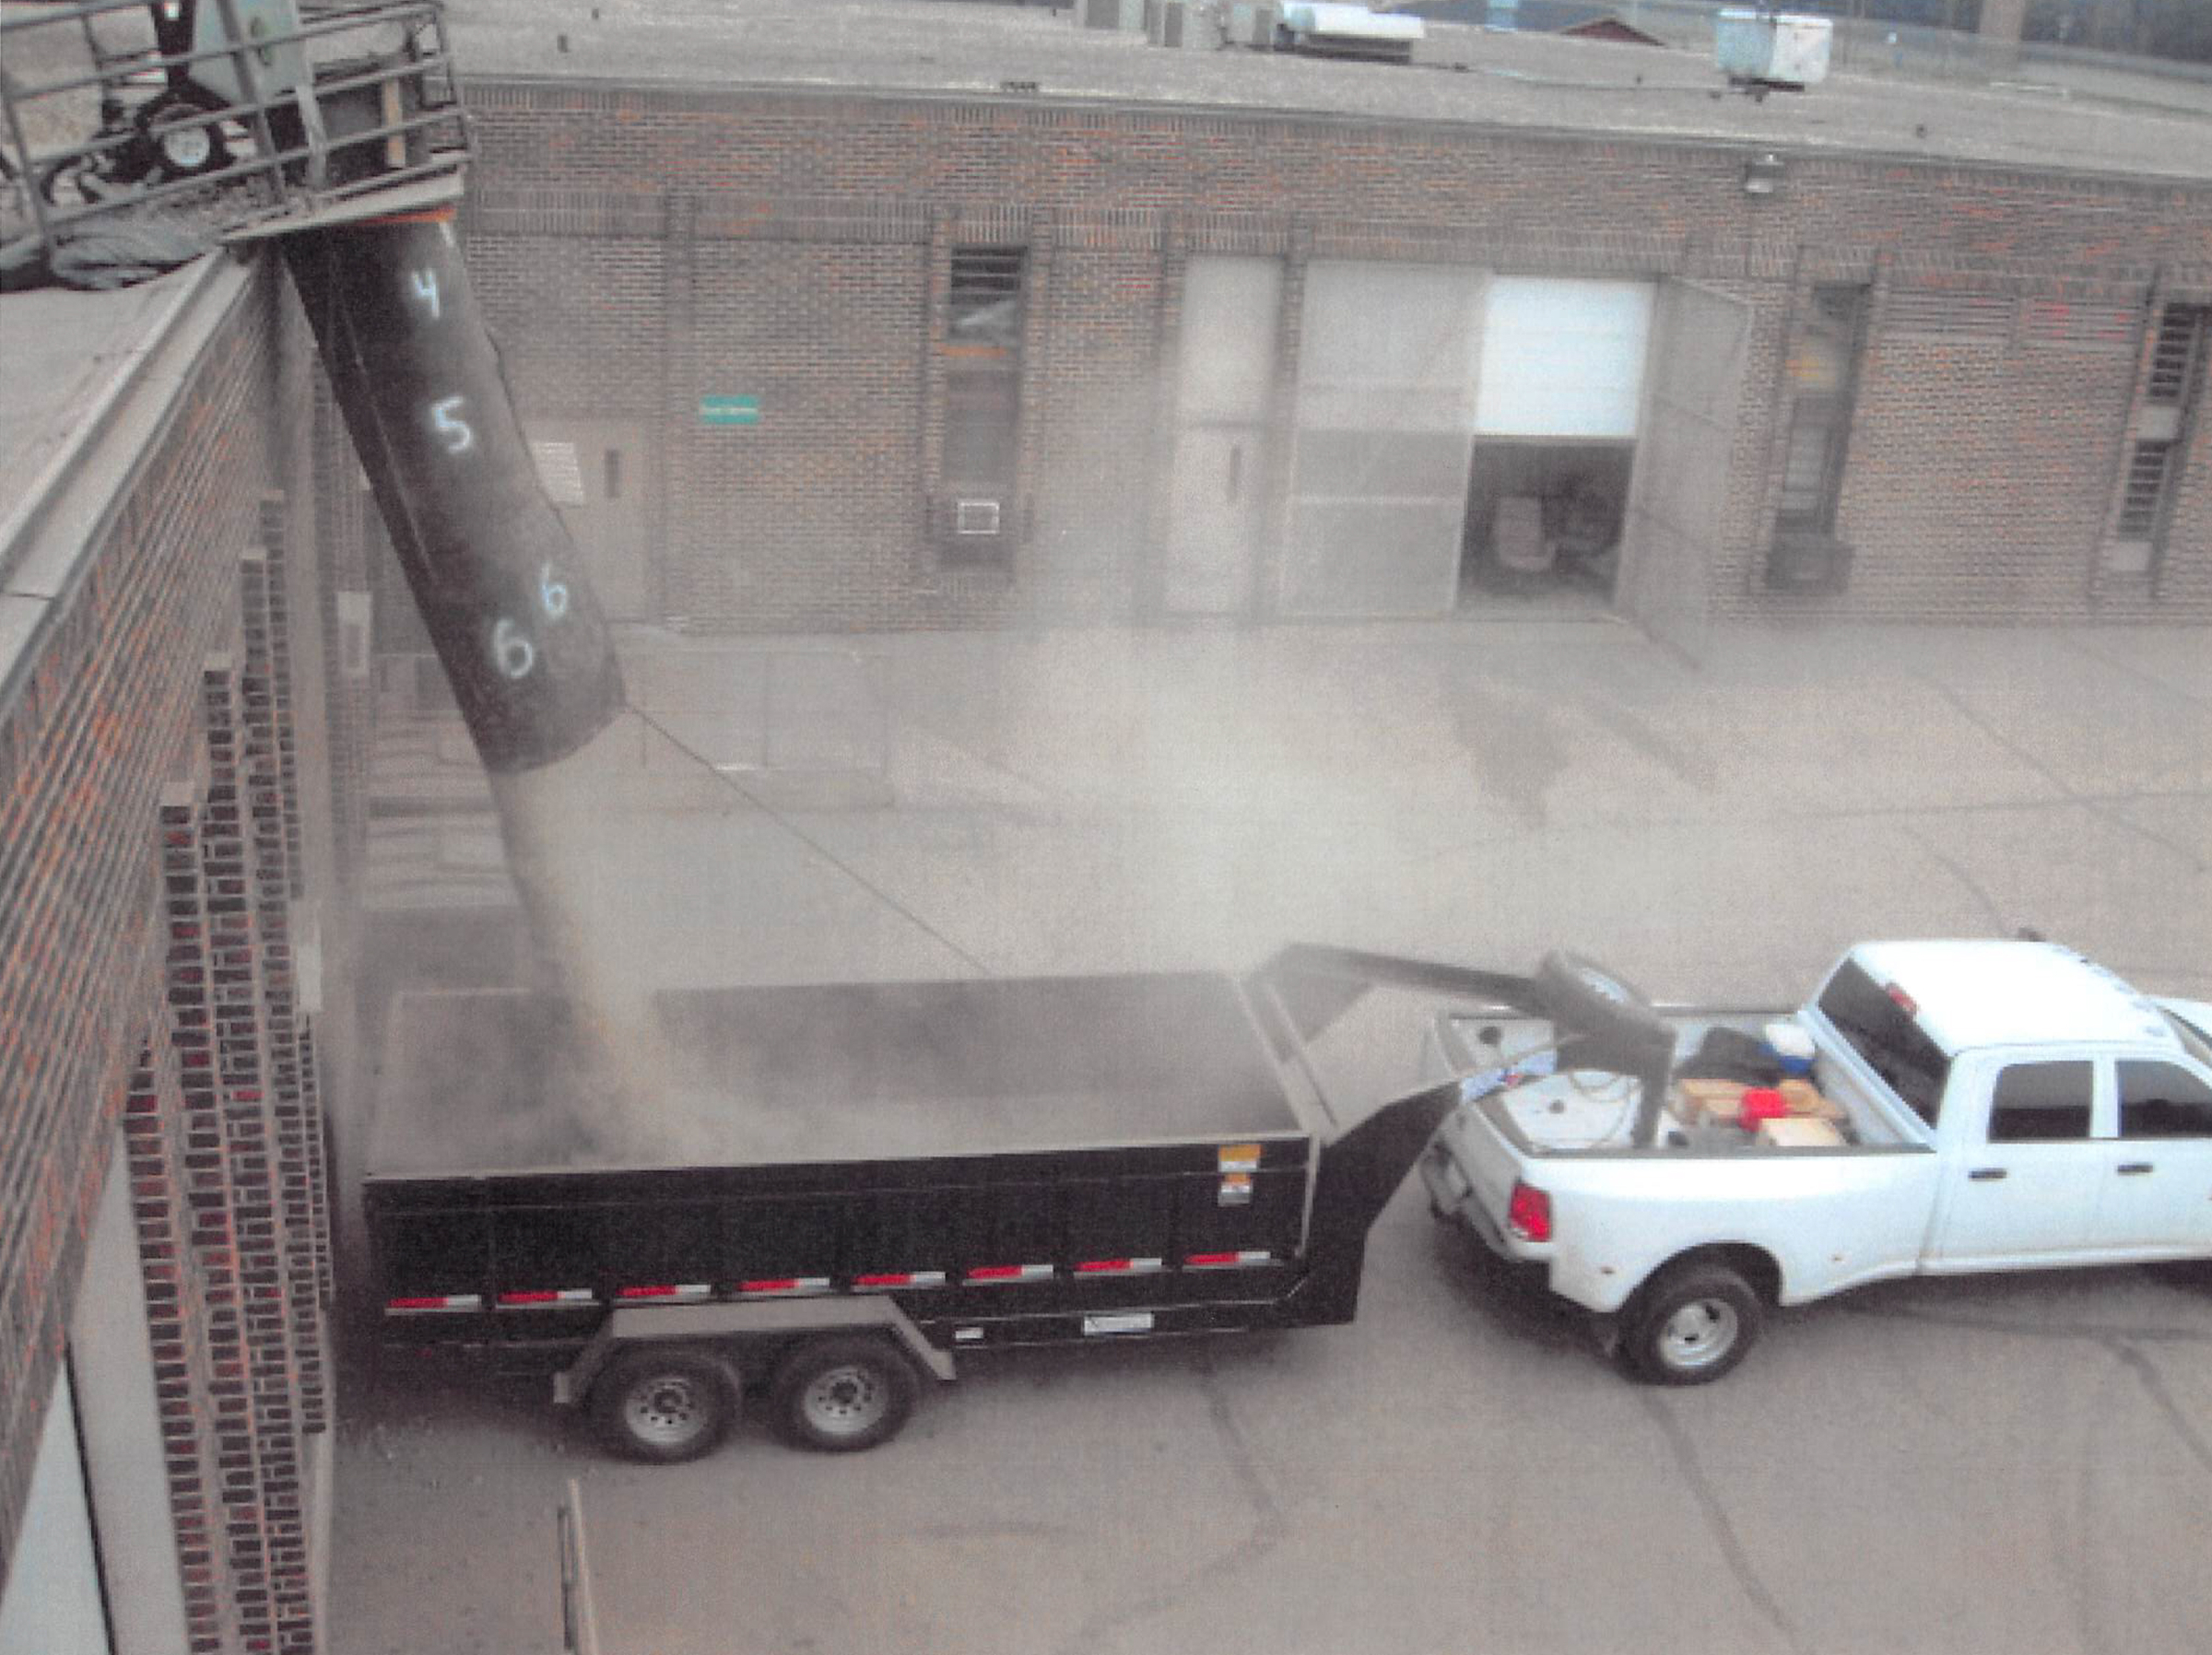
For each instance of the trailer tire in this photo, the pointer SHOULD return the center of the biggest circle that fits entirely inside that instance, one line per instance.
(841, 1395)
(664, 1406)
(1691, 1324)
(1586, 996)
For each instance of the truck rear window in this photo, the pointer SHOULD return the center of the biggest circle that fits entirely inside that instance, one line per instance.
(1893, 1045)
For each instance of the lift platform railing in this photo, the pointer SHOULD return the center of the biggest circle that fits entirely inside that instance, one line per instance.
(249, 115)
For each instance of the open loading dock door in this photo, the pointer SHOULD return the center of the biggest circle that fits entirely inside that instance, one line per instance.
(1679, 494)
(1460, 436)
(1557, 414)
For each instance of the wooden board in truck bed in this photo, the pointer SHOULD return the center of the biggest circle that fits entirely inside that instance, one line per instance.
(490, 1081)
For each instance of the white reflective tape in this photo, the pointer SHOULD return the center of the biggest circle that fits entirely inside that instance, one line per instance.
(1129, 1321)
(967, 1335)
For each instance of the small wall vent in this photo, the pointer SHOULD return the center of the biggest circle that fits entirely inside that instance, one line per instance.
(975, 517)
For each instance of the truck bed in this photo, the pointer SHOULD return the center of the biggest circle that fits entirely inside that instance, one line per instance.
(488, 1082)
(1555, 1114)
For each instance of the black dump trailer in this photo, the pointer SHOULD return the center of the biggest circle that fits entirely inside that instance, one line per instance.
(875, 1179)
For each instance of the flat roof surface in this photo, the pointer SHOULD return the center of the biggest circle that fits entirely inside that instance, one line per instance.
(2098, 119)
(496, 1081)
(2001, 993)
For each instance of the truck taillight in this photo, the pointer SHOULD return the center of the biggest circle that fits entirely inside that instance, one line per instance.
(1528, 1214)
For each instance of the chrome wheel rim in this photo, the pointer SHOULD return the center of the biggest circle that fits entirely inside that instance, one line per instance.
(845, 1400)
(666, 1410)
(1698, 1334)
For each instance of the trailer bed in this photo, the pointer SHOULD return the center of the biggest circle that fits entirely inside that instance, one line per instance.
(481, 1083)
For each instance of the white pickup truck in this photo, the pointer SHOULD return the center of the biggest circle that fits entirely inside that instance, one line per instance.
(1989, 1106)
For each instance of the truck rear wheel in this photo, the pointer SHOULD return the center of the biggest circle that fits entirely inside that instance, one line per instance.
(1693, 1324)
(664, 1406)
(842, 1395)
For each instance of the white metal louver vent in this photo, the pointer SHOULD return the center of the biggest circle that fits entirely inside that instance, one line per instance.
(1960, 315)
(2075, 325)
(975, 517)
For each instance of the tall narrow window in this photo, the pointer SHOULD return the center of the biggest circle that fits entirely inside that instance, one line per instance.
(1822, 379)
(983, 403)
(2150, 478)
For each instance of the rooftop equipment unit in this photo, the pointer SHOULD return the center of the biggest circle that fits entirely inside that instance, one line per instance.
(1759, 51)
(1349, 31)
(1251, 24)
(1127, 16)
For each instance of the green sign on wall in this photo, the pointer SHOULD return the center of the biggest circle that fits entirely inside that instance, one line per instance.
(729, 410)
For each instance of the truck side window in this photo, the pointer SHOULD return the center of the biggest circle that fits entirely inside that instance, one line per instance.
(2041, 1103)
(2163, 1100)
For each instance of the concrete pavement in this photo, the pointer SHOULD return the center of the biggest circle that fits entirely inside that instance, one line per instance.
(1079, 800)
(2007, 1465)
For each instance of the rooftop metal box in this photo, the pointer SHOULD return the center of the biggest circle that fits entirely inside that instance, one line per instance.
(1773, 48)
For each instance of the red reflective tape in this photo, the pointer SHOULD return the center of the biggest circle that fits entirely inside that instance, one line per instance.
(903, 1278)
(1010, 1273)
(1216, 1260)
(448, 1301)
(1115, 1266)
(785, 1283)
(686, 1290)
(550, 1296)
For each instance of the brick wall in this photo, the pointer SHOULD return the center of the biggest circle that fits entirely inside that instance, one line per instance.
(636, 248)
(161, 828)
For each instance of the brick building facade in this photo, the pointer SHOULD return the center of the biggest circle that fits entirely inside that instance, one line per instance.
(170, 850)
(642, 251)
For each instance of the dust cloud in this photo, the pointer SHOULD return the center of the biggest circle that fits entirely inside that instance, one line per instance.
(617, 1083)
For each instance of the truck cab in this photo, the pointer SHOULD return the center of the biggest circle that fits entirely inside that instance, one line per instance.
(2072, 1115)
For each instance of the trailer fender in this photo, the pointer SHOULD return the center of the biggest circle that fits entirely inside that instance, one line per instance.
(768, 1319)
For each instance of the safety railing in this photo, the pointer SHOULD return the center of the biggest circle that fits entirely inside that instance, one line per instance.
(235, 113)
